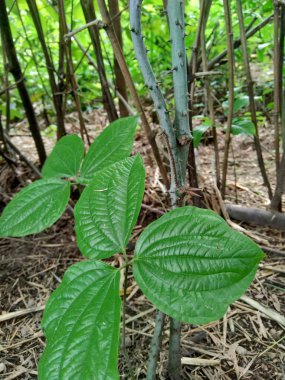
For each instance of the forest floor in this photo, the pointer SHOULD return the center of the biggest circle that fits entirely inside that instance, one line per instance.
(246, 344)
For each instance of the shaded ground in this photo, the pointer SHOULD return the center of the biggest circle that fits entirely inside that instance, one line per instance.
(246, 344)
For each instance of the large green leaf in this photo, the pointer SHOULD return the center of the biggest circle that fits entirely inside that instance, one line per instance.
(108, 208)
(191, 265)
(65, 158)
(112, 145)
(35, 208)
(82, 325)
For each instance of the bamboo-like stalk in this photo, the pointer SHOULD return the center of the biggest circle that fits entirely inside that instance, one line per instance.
(70, 72)
(124, 68)
(108, 102)
(6, 84)
(56, 95)
(277, 89)
(237, 43)
(120, 82)
(16, 71)
(155, 346)
(205, 6)
(281, 64)
(252, 106)
(209, 99)
(229, 29)
(280, 186)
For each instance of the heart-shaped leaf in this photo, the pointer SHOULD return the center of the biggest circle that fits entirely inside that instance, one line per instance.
(65, 158)
(112, 145)
(108, 208)
(191, 265)
(35, 208)
(82, 325)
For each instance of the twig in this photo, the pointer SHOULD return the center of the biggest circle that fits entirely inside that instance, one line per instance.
(200, 362)
(98, 23)
(270, 313)
(237, 43)
(20, 313)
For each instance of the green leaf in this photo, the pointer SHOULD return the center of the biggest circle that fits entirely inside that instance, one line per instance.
(240, 102)
(112, 145)
(35, 208)
(198, 132)
(191, 265)
(82, 325)
(242, 126)
(108, 208)
(65, 158)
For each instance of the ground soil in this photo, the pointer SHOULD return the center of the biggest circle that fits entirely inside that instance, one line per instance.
(245, 344)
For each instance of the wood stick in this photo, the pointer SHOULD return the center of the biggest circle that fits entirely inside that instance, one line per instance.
(20, 313)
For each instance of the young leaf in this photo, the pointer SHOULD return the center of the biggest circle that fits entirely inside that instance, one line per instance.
(35, 208)
(242, 126)
(112, 145)
(82, 325)
(198, 132)
(108, 208)
(65, 158)
(191, 265)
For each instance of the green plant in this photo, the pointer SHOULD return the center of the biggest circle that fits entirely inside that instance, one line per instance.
(189, 262)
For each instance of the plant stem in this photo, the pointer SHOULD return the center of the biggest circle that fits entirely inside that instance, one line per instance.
(178, 135)
(174, 365)
(277, 91)
(280, 186)
(56, 94)
(124, 68)
(108, 102)
(155, 346)
(70, 72)
(228, 21)
(252, 105)
(120, 82)
(237, 43)
(16, 71)
(209, 98)
(281, 63)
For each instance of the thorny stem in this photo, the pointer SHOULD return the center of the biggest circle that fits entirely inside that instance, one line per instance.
(177, 136)
(124, 68)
